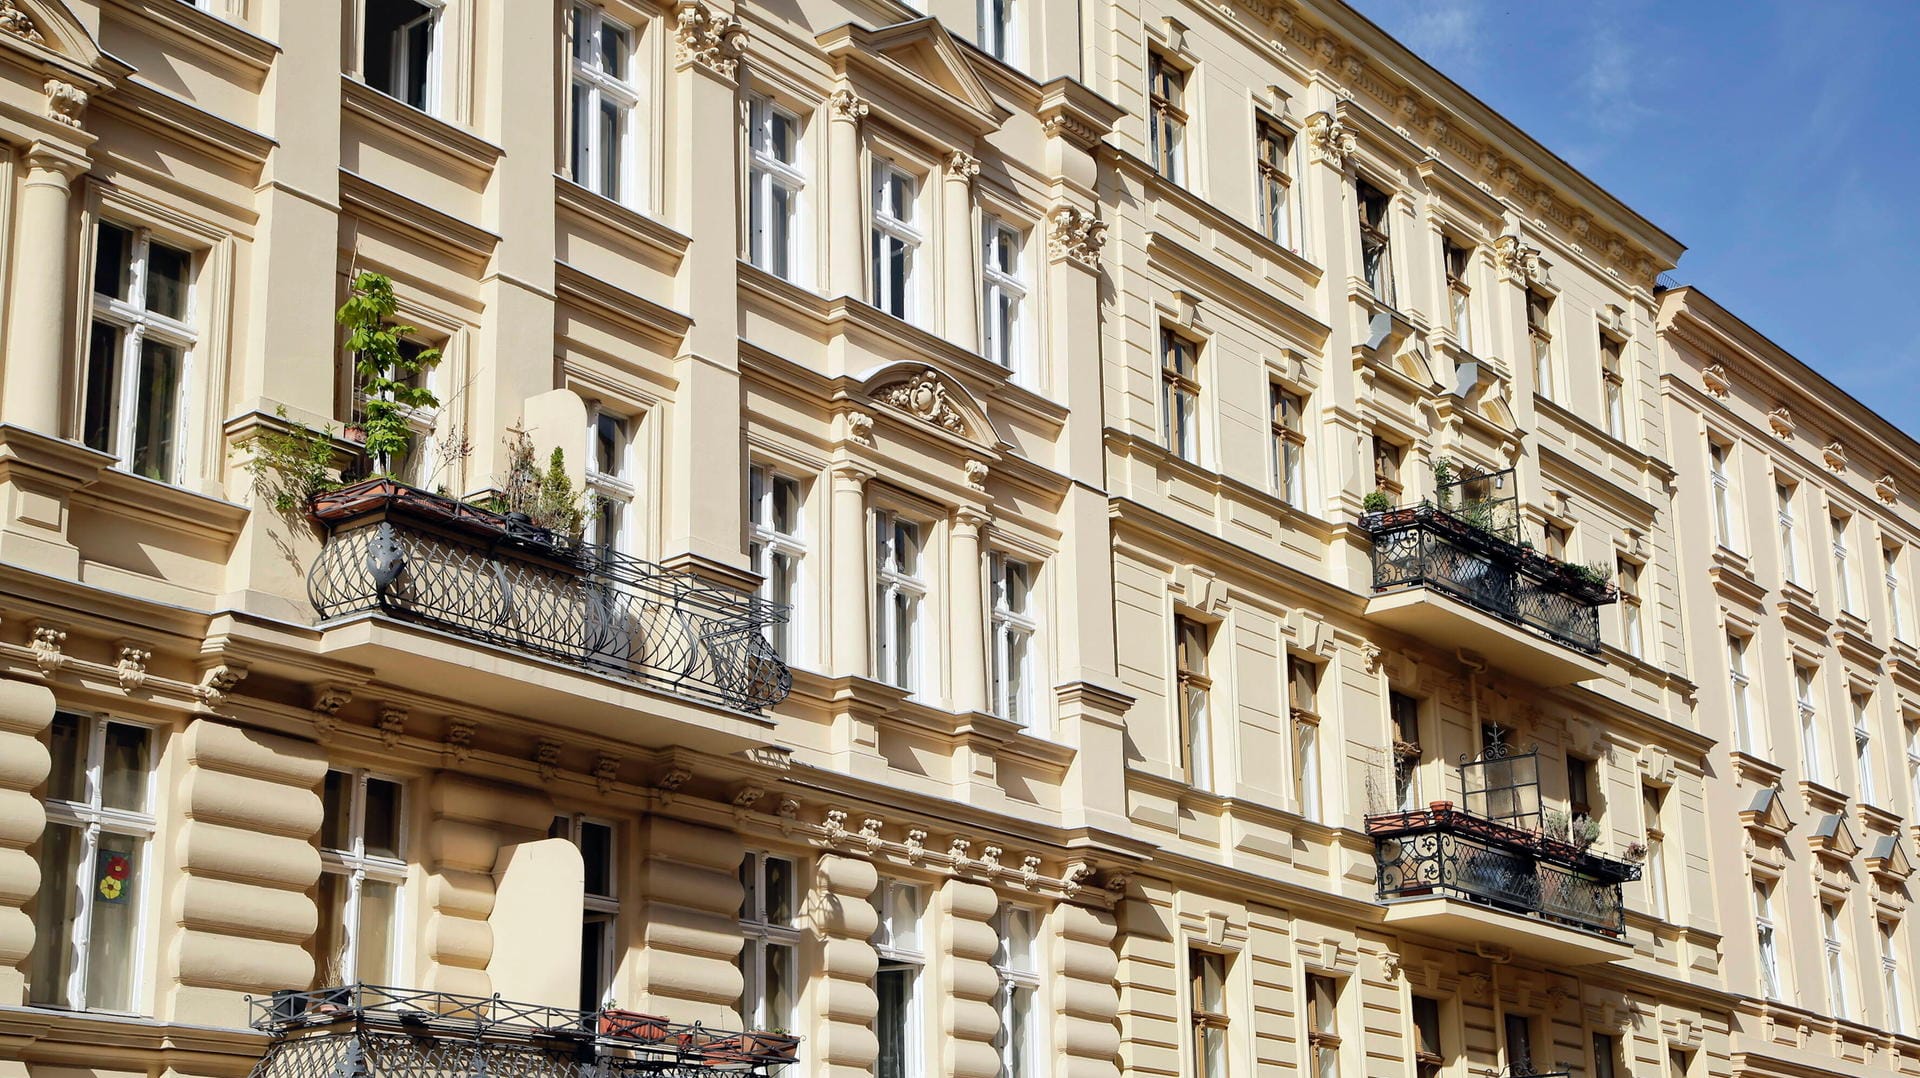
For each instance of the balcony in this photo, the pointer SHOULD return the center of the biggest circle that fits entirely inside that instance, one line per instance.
(1488, 872)
(432, 569)
(370, 1031)
(1453, 571)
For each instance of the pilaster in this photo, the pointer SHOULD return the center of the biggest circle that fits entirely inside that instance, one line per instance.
(968, 655)
(26, 710)
(960, 254)
(471, 821)
(965, 942)
(851, 642)
(846, 241)
(688, 908)
(42, 290)
(844, 920)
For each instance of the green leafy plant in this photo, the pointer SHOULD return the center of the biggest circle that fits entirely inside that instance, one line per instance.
(290, 464)
(545, 496)
(1376, 501)
(387, 371)
(1444, 471)
(1593, 575)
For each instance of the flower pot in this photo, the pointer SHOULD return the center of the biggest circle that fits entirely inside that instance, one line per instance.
(355, 433)
(1440, 806)
(632, 1026)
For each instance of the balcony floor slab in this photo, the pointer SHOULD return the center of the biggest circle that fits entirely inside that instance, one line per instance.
(1438, 619)
(1527, 937)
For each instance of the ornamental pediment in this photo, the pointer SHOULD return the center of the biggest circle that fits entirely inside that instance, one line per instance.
(51, 33)
(928, 396)
(1888, 860)
(1766, 814)
(917, 58)
(1832, 839)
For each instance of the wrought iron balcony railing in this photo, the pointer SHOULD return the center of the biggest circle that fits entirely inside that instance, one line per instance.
(1446, 550)
(424, 558)
(373, 1031)
(1446, 852)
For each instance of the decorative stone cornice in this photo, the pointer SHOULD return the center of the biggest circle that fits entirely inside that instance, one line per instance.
(844, 104)
(1329, 140)
(18, 23)
(65, 102)
(1075, 234)
(713, 39)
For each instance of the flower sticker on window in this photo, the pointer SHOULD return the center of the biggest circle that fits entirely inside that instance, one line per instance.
(112, 870)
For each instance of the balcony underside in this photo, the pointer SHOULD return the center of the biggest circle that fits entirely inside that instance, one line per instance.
(1471, 923)
(432, 662)
(1434, 617)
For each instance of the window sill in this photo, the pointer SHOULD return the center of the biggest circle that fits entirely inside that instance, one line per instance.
(151, 501)
(449, 141)
(218, 39)
(620, 218)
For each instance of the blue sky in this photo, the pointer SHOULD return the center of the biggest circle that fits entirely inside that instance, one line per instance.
(1779, 141)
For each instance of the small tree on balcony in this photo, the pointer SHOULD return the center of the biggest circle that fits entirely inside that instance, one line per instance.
(387, 373)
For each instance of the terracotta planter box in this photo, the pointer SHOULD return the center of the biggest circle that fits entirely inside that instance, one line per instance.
(633, 1026)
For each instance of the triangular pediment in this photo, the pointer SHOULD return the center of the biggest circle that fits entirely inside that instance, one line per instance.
(919, 58)
(1889, 858)
(933, 398)
(1831, 837)
(47, 31)
(1767, 813)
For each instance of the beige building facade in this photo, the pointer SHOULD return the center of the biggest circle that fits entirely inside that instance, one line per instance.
(1162, 538)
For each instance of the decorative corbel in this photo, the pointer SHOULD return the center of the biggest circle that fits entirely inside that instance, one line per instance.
(392, 723)
(48, 641)
(132, 664)
(458, 746)
(606, 768)
(219, 681)
(546, 756)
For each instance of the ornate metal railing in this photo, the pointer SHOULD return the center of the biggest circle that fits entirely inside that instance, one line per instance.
(1445, 852)
(421, 557)
(1429, 547)
(375, 1031)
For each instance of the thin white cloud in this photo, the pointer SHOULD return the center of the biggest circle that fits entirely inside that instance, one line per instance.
(1445, 33)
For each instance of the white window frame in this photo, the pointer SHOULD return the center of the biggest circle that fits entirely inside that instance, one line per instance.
(1740, 686)
(1003, 339)
(899, 651)
(135, 324)
(1896, 1002)
(1784, 493)
(767, 543)
(1806, 694)
(1613, 383)
(1459, 291)
(1913, 766)
(1288, 447)
(759, 933)
(1890, 555)
(1833, 946)
(1862, 705)
(1719, 455)
(1766, 940)
(1632, 623)
(1373, 235)
(1303, 726)
(1840, 524)
(766, 172)
(1274, 180)
(1000, 30)
(1652, 803)
(92, 819)
(615, 491)
(893, 231)
(1323, 1040)
(398, 63)
(591, 22)
(603, 908)
(358, 866)
(1167, 118)
(1015, 633)
(1180, 395)
(1194, 700)
(898, 951)
(1017, 998)
(1540, 340)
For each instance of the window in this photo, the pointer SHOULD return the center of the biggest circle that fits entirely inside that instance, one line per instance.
(1167, 122)
(1013, 628)
(1803, 694)
(896, 239)
(1190, 644)
(1580, 787)
(1632, 628)
(1386, 466)
(997, 29)
(1652, 799)
(775, 545)
(1832, 944)
(1323, 1026)
(1613, 385)
(138, 346)
(610, 488)
(362, 866)
(1403, 712)
(769, 966)
(1376, 248)
(603, 102)
(1458, 263)
(898, 591)
(1896, 596)
(1274, 149)
(896, 1024)
(600, 916)
(94, 869)
(1863, 746)
(1518, 1031)
(1207, 989)
(1428, 1058)
(774, 186)
(1913, 766)
(1179, 395)
(1738, 685)
(1303, 709)
(1606, 1056)
(1287, 411)
(1764, 938)
(419, 362)
(1842, 569)
(1719, 475)
(1789, 542)
(1540, 336)
(1554, 539)
(1016, 963)
(1002, 292)
(1896, 1001)
(401, 50)
(1679, 1062)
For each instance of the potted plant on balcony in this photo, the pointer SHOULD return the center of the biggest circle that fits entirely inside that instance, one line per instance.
(389, 375)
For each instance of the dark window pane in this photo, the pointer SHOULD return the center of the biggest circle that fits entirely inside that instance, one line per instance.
(101, 409)
(113, 261)
(336, 807)
(169, 272)
(383, 821)
(156, 418)
(124, 766)
(66, 742)
(596, 849)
